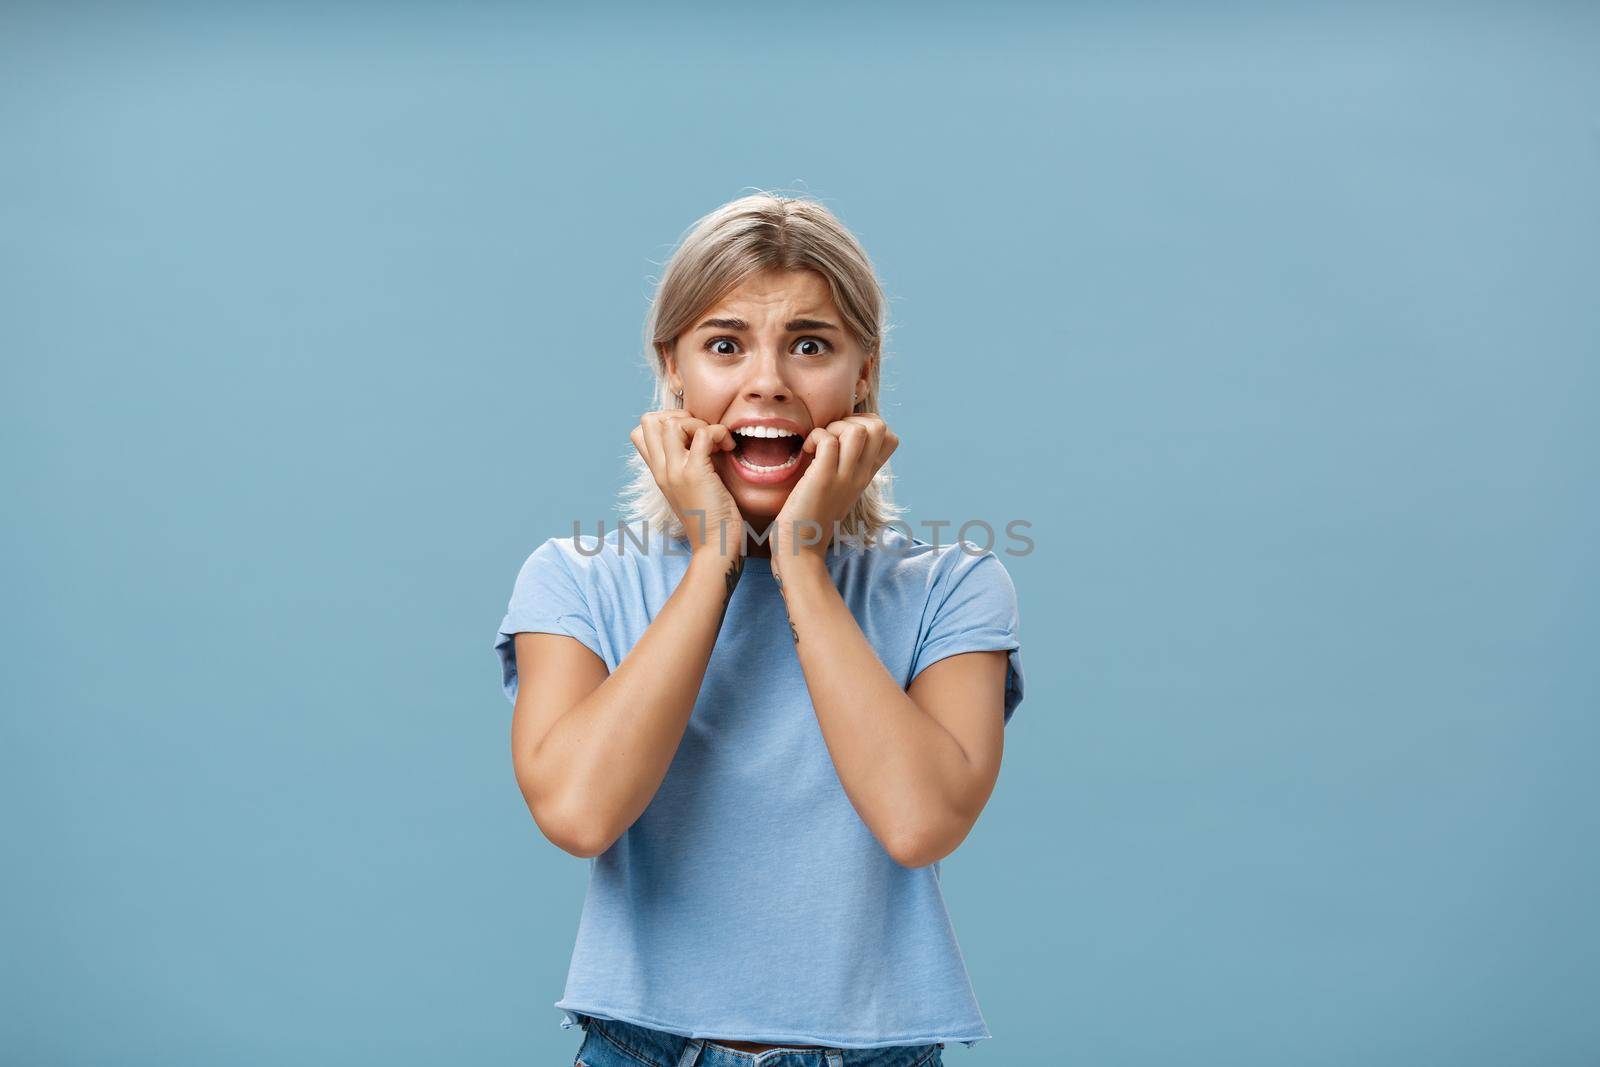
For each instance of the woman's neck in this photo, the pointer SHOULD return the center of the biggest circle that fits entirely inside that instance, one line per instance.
(756, 543)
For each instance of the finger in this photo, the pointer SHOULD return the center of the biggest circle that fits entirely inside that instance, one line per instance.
(678, 433)
(875, 432)
(881, 441)
(886, 447)
(655, 432)
(655, 425)
(878, 447)
(852, 437)
(813, 439)
(872, 425)
(827, 456)
(700, 446)
(640, 437)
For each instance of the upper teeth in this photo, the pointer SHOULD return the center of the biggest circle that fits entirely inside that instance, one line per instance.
(764, 431)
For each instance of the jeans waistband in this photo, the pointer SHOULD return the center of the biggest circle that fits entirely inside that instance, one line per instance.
(674, 1050)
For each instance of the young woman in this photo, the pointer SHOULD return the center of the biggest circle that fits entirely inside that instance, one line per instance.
(761, 710)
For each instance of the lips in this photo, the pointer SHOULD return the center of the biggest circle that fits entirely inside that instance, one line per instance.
(767, 449)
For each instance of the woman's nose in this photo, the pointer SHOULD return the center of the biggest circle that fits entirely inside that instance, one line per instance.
(766, 381)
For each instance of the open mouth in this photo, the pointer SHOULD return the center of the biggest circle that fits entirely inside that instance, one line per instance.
(766, 449)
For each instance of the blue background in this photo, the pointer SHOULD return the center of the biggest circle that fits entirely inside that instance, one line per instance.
(1279, 323)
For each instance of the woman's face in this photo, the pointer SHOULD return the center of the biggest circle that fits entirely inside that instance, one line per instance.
(775, 347)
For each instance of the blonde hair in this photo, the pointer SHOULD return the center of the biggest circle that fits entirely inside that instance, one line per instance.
(743, 237)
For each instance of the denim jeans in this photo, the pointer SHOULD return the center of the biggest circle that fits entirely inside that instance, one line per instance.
(612, 1043)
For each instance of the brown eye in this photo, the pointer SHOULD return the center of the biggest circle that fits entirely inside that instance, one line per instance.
(825, 346)
(712, 344)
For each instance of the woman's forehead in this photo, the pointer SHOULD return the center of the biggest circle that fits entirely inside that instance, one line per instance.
(799, 291)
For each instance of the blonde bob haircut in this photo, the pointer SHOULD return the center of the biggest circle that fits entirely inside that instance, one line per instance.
(744, 237)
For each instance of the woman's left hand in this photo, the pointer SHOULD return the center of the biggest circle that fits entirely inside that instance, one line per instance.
(845, 457)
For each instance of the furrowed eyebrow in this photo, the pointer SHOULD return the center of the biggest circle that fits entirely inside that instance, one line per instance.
(792, 325)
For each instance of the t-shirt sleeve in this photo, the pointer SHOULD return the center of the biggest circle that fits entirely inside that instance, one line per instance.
(974, 609)
(546, 599)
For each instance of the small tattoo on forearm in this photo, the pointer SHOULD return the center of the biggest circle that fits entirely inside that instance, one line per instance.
(793, 633)
(731, 580)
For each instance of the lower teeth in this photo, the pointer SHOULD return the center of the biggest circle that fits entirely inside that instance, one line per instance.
(791, 461)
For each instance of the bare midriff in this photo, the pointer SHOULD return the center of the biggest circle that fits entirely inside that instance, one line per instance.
(751, 1046)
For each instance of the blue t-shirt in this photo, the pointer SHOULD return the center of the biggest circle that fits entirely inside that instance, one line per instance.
(749, 901)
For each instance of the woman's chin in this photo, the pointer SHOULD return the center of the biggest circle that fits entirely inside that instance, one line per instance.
(759, 507)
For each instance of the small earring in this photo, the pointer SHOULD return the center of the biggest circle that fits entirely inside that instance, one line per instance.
(853, 398)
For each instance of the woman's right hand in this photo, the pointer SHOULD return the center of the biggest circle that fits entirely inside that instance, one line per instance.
(677, 448)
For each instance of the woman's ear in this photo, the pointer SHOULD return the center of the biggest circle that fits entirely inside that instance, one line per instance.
(670, 361)
(864, 382)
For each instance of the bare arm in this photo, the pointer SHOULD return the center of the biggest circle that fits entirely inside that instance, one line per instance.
(591, 749)
(917, 765)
